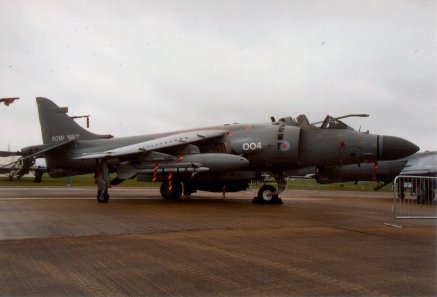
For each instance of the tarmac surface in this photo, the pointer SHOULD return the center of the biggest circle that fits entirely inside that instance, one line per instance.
(62, 242)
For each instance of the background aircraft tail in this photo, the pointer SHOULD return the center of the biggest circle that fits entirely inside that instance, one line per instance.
(57, 126)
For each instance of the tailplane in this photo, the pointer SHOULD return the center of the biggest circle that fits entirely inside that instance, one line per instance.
(57, 126)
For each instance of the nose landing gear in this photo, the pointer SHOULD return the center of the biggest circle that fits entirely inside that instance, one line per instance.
(268, 194)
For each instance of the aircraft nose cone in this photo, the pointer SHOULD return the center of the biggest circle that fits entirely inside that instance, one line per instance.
(392, 148)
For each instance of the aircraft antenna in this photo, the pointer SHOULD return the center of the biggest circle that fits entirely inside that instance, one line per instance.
(81, 117)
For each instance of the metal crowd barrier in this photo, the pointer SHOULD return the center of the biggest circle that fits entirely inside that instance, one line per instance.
(414, 198)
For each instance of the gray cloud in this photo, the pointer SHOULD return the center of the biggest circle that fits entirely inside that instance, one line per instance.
(141, 67)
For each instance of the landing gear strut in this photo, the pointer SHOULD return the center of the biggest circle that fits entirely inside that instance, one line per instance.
(103, 181)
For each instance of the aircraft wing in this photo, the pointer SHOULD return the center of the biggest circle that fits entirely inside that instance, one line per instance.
(157, 143)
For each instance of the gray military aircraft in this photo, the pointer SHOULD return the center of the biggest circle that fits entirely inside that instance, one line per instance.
(216, 159)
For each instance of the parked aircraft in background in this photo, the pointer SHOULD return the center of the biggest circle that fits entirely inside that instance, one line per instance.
(15, 166)
(382, 172)
(219, 158)
(8, 101)
(421, 164)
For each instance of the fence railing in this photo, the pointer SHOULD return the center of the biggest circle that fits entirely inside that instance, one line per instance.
(413, 198)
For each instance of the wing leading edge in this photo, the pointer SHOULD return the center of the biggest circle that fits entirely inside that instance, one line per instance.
(156, 144)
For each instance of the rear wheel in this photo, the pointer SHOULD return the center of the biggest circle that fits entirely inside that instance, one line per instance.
(429, 195)
(425, 195)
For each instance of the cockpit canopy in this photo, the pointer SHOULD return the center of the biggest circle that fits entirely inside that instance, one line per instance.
(328, 123)
(333, 123)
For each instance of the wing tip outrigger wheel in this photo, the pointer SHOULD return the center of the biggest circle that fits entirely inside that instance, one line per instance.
(103, 181)
(102, 196)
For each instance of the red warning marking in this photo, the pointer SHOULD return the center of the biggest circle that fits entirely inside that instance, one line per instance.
(169, 182)
(155, 172)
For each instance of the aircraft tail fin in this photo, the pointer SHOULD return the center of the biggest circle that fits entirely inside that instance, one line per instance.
(57, 126)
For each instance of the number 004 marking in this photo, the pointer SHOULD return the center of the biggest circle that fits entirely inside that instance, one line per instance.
(252, 146)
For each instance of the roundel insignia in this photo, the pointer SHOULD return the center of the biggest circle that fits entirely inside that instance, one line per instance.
(284, 146)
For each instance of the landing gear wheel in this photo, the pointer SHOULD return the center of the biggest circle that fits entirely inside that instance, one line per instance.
(429, 195)
(102, 196)
(401, 195)
(174, 194)
(420, 199)
(424, 195)
(267, 194)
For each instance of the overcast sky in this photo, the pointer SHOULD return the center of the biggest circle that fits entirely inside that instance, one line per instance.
(142, 67)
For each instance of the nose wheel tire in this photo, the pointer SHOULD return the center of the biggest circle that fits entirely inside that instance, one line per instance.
(267, 194)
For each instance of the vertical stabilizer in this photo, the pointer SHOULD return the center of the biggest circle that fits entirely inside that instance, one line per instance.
(57, 126)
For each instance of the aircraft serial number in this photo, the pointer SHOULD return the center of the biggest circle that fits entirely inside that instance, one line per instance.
(58, 138)
(252, 146)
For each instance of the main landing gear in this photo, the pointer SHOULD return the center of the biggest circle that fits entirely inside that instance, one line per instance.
(171, 193)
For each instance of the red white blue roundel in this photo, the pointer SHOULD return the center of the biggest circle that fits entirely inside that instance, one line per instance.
(284, 146)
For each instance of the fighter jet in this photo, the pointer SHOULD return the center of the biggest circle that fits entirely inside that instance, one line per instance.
(421, 164)
(216, 159)
(383, 172)
(16, 168)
